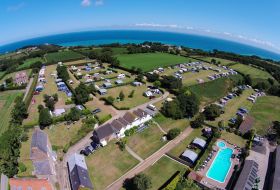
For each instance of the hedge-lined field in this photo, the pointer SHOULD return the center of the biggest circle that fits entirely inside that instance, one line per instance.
(63, 56)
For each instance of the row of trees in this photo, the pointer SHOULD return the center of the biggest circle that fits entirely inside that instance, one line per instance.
(11, 140)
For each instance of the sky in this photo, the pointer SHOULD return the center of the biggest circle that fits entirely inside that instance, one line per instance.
(254, 22)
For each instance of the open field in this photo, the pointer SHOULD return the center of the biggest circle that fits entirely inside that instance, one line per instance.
(168, 123)
(265, 110)
(108, 164)
(233, 105)
(115, 50)
(50, 88)
(179, 149)
(162, 171)
(12, 55)
(146, 142)
(78, 62)
(6, 106)
(233, 138)
(252, 71)
(222, 61)
(28, 62)
(25, 156)
(211, 91)
(28, 71)
(63, 56)
(137, 99)
(150, 61)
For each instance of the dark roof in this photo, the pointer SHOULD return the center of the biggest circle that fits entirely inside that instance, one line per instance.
(78, 172)
(129, 117)
(247, 176)
(42, 167)
(40, 140)
(140, 113)
(123, 121)
(246, 125)
(276, 177)
(117, 125)
(104, 131)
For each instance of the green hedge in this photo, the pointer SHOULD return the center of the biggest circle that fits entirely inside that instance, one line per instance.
(29, 96)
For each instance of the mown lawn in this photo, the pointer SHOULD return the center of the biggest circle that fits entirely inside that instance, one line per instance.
(28, 62)
(63, 56)
(252, 71)
(115, 50)
(222, 61)
(265, 110)
(108, 164)
(150, 61)
(162, 171)
(168, 123)
(6, 106)
(146, 142)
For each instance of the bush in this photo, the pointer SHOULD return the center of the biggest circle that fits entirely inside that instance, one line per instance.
(131, 94)
(122, 143)
(173, 133)
(130, 132)
(172, 185)
(22, 167)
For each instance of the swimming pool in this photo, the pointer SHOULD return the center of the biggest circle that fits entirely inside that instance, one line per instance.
(221, 165)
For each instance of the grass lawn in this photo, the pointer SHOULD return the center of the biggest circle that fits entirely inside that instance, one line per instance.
(208, 59)
(108, 164)
(265, 110)
(211, 91)
(150, 61)
(25, 156)
(252, 71)
(162, 171)
(179, 149)
(78, 62)
(168, 123)
(50, 88)
(2, 73)
(115, 50)
(147, 142)
(28, 62)
(137, 99)
(233, 138)
(6, 106)
(63, 56)
(105, 109)
(233, 105)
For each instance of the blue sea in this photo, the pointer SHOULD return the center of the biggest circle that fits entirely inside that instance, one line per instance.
(139, 36)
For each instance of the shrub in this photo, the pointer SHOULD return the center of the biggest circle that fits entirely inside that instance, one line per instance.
(130, 131)
(173, 133)
(22, 167)
(172, 185)
(131, 94)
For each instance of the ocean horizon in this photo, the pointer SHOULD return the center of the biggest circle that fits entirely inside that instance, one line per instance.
(139, 36)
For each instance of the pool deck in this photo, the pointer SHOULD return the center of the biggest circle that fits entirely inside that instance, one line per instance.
(213, 183)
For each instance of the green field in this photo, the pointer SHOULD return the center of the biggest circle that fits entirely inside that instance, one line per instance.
(167, 123)
(63, 56)
(147, 142)
(265, 110)
(211, 91)
(6, 106)
(208, 59)
(28, 62)
(162, 171)
(233, 138)
(108, 164)
(115, 50)
(150, 61)
(252, 71)
(28, 71)
(2, 73)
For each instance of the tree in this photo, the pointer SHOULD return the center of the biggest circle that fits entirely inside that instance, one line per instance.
(189, 104)
(212, 112)
(198, 122)
(40, 107)
(172, 109)
(121, 96)
(45, 118)
(271, 81)
(122, 143)
(81, 94)
(171, 82)
(141, 182)
(152, 77)
(139, 78)
(62, 72)
(248, 80)
(19, 112)
(173, 133)
(73, 115)
(157, 83)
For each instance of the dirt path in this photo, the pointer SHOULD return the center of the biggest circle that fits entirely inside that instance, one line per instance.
(130, 151)
(150, 160)
(28, 88)
(161, 129)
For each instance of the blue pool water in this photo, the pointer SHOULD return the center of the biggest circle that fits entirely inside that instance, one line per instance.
(221, 165)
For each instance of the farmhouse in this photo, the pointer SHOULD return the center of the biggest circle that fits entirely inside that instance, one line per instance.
(117, 128)
(78, 172)
(20, 78)
(41, 154)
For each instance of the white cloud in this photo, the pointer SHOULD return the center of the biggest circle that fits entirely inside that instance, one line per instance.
(86, 3)
(15, 7)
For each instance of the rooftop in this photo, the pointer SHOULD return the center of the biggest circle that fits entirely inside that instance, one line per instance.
(30, 183)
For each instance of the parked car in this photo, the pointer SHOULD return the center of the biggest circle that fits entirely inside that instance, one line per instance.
(95, 145)
(85, 152)
(89, 149)
(98, 110)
